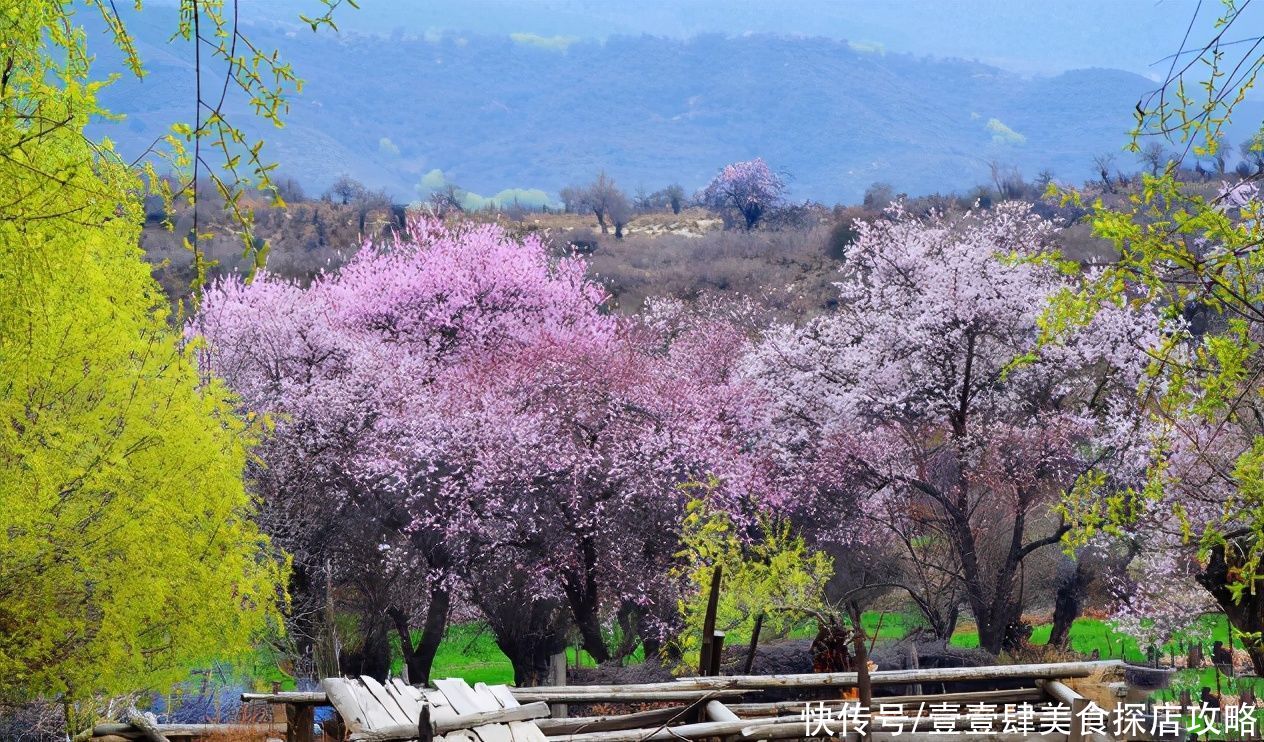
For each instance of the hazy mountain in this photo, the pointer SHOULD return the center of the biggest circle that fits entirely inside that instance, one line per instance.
(1028, 36)
(498, 112)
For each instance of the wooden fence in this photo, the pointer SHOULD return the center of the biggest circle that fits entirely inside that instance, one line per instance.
(703, 707)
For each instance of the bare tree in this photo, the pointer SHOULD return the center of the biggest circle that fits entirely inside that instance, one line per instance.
(602, 197)
(572, 199)
(289, 189)
(620, 212)
(1102, 164)
(446, 201)
(344, 190)
(1252, 151)
(1221, 157)
(1043, 179)
(675, 197)
(1155, 157)
(878, 196)
(1008, 181)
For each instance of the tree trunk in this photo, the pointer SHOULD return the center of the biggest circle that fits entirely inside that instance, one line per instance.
(864, 686)
(373, 657)
(991, 635)
(581, 595)
(419, 657)
(1068, 601)
(531, 651)
(1247, 614)
(530, 664)
(751, 216)
(628, 619)
(997, 621)
(431, 635)
(941, 620)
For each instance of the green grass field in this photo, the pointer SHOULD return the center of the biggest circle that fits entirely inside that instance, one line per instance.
(469, 651)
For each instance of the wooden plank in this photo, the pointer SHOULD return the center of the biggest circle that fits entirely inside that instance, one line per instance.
(406, 696)
(526, 731)
(708, 621)
(490, 702)
(493, 733)
(344, 700)
(686, 731)
(502, 693)
(498, 716)
(782, 727)
(460, 725)
(896, 677)
(485, 692)
(1058, 691)
(578, 694)
(460, 696)
(439, 705)
(557, 676)
(387, 701)
(614, 722)
(376, 714)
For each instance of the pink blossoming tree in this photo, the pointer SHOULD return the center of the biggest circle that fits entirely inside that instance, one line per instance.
(455, 415)
(748, 189)
(935, 414)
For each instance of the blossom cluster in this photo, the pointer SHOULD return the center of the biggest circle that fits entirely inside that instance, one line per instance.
(465, 397)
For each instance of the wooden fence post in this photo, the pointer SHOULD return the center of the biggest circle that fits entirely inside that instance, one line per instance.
(299, 720)
(1077, 719)
(557, 676)
(914, 663)
(708, 622)
(754, 642)
(717, 651)
(425, 728)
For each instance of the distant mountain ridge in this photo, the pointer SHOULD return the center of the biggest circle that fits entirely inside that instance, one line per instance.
(495, 112)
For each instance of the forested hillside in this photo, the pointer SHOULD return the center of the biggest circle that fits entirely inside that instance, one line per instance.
(495, 113)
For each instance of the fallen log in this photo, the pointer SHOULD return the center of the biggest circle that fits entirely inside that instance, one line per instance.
(147, 725)
(611, 722)
(1060, 691)
(619, 694)
(1054, 670)
(689, 731)
(790, 727)
(775, 708)
(903, 677)
(717, 711)
(786, 727)
(315, 697)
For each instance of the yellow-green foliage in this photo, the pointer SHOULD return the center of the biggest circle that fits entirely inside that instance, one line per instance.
(127, 551)
(775, 573)
(1182, 247)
